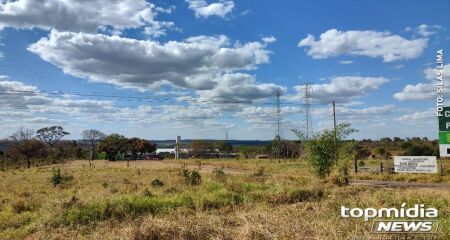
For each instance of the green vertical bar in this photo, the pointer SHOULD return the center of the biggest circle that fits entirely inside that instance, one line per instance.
(444, 137)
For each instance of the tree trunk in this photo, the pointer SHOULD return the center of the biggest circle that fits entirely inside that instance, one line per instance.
(93, 154)
(52, 155)
(93, 150)
(28, 162)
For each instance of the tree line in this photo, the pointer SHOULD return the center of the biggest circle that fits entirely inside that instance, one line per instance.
(27, 148)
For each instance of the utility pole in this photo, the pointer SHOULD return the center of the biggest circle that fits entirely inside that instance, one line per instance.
(334, 120)
(346, 175)
(335, 130)
(226, 145)
(177, 147)
(307, 106)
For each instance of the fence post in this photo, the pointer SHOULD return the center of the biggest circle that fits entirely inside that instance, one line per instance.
(381, 167)
(356, 165)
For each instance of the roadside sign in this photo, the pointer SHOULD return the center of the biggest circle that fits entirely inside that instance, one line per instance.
(415, 164)
(444, 133)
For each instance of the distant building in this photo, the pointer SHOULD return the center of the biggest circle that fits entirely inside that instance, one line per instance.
(262, 157)
(171, 150)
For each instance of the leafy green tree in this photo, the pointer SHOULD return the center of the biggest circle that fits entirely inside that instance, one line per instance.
(361, 152)
(51, 136)
(382, 152)
(321, 152)
(346, 153)
(137, 146)
(24, 143)
(324, 150)
(200, 147)
(245, 151)
(113, 145)
(93, 137)
(420, 150)
(406, 145)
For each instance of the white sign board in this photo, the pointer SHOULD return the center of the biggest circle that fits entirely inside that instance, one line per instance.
(415, 164)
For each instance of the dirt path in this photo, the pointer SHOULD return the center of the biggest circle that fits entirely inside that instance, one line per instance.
(398, 184)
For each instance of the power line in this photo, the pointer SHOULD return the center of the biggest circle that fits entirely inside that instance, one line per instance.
(139, 98)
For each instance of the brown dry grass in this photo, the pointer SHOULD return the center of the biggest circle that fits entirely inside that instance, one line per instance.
(115, 202)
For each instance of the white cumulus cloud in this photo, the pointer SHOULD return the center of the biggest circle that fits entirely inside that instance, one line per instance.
(343, 89)
(205, 64)
(424, 30)
(363, 43)
(239, 88)
(203, 9)
(424, 91)
(81, 15)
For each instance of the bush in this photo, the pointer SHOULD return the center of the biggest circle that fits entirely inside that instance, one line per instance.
(219, 174)
(260, 171)
(157, 182)
(298, 195)
(114, 190)
(21, 205)
(323, 150)
(303, 195)
(361, 163)
(192, 178)
(147, 193)
(220, 199)
(56, 177)
(73, 200)
(196, 178)
(119, 209)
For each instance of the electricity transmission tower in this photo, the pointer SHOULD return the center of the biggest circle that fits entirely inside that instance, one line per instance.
(307, 90)
(276, 147)
(278, 114)
(226, 145)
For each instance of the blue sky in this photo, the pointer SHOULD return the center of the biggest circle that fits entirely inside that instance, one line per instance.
(200, 68)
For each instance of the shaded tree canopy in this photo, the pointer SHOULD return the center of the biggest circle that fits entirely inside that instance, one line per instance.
(51, 135)
(138, 145)
(325, 149)
(113, 145)
(93, 136)
(23, 143)
(201, 146)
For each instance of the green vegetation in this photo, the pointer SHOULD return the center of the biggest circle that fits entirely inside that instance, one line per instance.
(157, 182)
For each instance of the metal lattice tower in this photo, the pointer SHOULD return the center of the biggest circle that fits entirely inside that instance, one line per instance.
(307, 90)
(278, 115)
(277, 141)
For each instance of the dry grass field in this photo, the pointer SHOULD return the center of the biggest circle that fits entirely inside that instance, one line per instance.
(248, 199)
